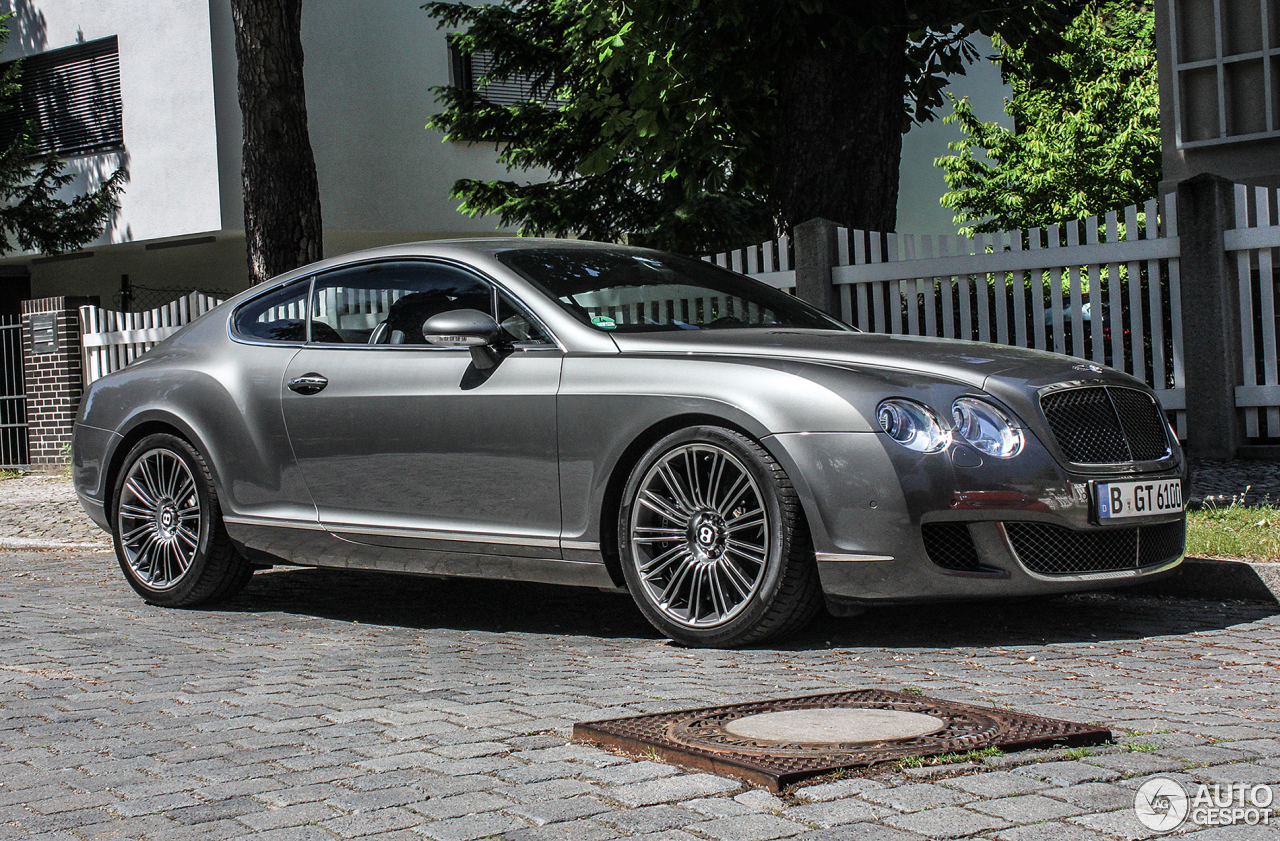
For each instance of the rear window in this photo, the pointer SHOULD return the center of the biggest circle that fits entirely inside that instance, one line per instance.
(280, 316)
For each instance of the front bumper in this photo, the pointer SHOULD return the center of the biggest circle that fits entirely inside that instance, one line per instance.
(90, 450)
(870, 501)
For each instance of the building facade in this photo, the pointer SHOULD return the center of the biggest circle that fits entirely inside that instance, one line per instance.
(369, 73)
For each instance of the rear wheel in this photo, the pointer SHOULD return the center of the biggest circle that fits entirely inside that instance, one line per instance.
(714, 545)
(167, 527)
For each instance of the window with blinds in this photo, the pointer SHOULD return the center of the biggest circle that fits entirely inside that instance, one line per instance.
(72, 98)
(467, 70)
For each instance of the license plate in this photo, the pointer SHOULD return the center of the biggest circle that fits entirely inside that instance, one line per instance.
(1116, 500)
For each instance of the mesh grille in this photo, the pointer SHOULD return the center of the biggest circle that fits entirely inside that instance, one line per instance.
(950, 546)
(1085, 425)
(1099, 425)
(1143, 423)
(1054, 550)
(1159, 544)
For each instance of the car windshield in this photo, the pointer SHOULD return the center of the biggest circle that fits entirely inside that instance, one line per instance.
(633, 291)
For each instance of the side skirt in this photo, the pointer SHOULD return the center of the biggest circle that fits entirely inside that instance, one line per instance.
(306, 544)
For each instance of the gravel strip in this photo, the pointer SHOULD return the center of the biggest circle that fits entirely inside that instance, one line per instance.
(1249, 482)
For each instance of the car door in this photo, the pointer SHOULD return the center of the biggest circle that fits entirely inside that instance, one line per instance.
(406, 444)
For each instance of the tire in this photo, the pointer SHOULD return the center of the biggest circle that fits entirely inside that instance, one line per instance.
(167, 527)
(713, 541)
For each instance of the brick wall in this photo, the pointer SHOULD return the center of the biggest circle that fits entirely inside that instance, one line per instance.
(55, 381)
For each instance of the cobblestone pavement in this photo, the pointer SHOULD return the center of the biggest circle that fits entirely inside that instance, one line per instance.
(324, 704)
(1249, 481)
(329, 704)
(41, 509)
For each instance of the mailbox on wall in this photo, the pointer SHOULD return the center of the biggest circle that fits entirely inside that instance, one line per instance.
(44, 332)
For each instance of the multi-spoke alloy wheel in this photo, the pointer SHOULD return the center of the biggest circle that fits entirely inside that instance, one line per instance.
(713, 543)
(699, 535)
(169, 536)
(159, 518)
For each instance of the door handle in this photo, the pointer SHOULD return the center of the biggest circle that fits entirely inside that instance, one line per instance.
(308, 384)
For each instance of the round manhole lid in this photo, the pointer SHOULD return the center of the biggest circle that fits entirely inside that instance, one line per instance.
(838, 725)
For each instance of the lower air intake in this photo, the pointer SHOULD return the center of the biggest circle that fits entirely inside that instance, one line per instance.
(1054, 550)
(950, 546)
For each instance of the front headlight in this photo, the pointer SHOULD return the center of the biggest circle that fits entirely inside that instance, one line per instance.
(988, 429)
(912, 424)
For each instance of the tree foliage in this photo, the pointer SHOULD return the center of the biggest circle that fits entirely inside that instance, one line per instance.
(1084, 142)
(33, 214)
(693, 124)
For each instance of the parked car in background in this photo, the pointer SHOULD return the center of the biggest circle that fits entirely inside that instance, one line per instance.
(598, 415)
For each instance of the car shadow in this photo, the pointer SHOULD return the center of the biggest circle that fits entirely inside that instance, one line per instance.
(374, 598)
(464, 604)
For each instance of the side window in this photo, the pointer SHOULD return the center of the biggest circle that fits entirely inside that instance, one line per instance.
(517, 325)
(386, 303)
(280, 316)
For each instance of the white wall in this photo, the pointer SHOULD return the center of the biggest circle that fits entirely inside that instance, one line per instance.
(166, 85)
(921, 183)
(369, 70)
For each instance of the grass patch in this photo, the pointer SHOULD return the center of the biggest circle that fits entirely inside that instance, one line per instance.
(949, 758)
(912, 690)
(1077, 753)
(1232, 530)
(1139, 747)
(10, 473)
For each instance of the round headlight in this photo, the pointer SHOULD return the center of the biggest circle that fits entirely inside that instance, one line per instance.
(988, 429)
(913, 425)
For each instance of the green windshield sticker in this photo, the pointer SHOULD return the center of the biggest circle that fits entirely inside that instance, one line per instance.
(604, 322)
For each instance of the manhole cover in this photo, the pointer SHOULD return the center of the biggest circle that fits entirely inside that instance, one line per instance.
(834, 724)
(776, 743)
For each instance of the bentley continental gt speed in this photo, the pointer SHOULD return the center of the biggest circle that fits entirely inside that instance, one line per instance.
(605, 416)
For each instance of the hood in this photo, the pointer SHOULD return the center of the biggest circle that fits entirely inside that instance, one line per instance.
(1001, 369)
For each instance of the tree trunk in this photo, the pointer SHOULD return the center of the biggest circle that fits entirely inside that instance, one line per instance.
(837, 148)
(281, 196)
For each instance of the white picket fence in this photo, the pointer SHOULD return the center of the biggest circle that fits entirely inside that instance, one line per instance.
(114, 339)
(1257, 231)
(1094, 288)
(770, 262)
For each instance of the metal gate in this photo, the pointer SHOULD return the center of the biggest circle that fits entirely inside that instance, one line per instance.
(13, 396)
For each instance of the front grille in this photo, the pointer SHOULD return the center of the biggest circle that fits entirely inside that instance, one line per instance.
(1054, 550)
(950, 546)
(1106, 425)
(1143, 423)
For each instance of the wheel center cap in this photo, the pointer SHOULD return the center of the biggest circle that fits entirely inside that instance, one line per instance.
(707, 535)
(168, 520)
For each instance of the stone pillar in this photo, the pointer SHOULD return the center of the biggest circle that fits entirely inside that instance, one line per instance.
(1210, 317)
(816, 253)
(54, 369)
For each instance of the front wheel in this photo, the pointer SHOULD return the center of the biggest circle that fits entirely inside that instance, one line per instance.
(167, 527)
(713, 541)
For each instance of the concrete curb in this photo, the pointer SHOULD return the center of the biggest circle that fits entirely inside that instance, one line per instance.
(37, 543)
(1217, 578)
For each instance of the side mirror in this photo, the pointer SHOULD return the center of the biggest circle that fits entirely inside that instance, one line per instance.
(465, 328)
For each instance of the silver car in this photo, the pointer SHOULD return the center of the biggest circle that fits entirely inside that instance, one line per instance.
(613, 417)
